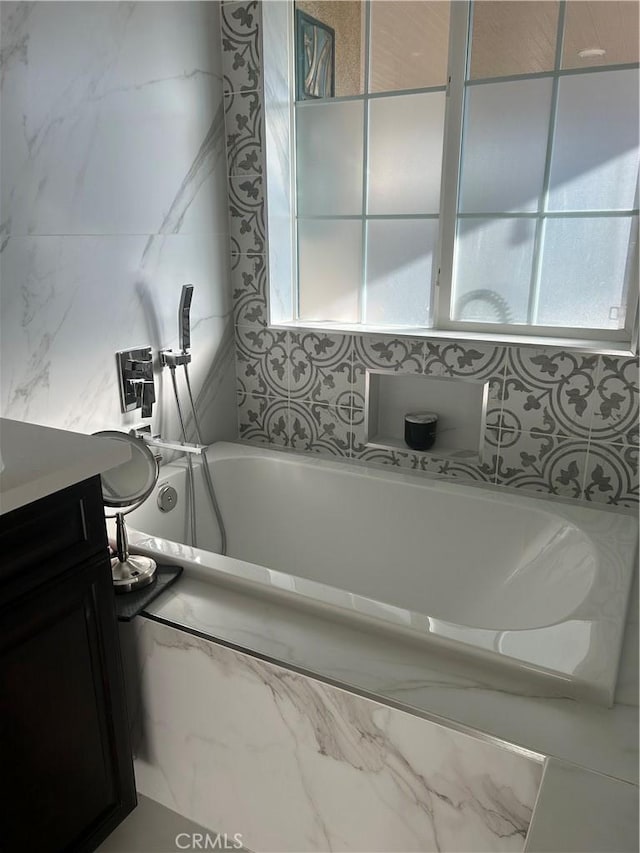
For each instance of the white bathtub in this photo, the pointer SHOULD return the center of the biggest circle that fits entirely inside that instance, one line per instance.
(521, 582)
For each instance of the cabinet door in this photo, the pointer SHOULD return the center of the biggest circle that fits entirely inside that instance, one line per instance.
(67, 774)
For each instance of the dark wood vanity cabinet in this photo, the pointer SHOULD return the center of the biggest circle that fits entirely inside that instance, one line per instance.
(65, 759)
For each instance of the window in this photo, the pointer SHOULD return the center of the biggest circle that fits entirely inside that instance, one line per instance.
(369, 162)
(547, 191)
(467, 167)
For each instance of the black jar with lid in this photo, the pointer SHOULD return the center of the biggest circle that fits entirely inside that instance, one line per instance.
(420, 430)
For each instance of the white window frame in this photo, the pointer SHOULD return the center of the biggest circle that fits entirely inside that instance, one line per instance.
(281, 215)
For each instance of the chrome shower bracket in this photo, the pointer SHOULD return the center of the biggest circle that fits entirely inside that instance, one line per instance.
(169, 358)
(135, 380)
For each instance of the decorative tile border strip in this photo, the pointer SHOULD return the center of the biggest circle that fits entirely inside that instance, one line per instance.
(241, 46)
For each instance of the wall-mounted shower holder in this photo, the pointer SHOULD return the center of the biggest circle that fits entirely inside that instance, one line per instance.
(169, 358)
(135, 380)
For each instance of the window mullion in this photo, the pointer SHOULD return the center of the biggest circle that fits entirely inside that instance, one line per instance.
(536, 270)
(452, 149)
(365, 161)
(630, 296)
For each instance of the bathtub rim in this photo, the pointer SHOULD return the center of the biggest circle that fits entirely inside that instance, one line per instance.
(374, 695)
(228, 449)
(499, 669)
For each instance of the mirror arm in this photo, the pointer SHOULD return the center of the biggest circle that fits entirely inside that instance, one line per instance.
(122, 542)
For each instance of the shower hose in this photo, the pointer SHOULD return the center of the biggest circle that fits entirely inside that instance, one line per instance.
(208, 480)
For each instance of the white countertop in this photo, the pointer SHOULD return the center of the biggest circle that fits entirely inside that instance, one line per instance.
(36, 461)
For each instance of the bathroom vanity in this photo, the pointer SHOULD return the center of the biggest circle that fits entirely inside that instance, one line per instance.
(67, 766)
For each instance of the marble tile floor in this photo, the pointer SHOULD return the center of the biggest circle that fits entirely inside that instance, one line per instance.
(153, 828)
(583, 812)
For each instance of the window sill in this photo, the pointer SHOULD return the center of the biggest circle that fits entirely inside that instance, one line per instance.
(597, 347)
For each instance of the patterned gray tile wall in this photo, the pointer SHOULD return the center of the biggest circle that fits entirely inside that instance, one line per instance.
(558, 422)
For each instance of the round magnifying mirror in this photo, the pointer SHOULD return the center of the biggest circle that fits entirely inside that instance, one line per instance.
(128, 485)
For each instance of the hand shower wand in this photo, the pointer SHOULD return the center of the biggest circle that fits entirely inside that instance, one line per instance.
(171, 360)
(184, 323)
(168, 357)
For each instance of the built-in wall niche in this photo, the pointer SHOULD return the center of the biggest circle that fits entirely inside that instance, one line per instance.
(460, 405)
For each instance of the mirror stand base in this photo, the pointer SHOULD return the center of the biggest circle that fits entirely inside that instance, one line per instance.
(132, 574)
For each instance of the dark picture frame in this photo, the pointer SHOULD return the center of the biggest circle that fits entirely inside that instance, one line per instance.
(315, 58)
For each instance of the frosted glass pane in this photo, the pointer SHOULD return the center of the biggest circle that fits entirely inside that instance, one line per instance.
(329, 139)
(606, 25)
(399, 264)
(594, 165)
(493, 270)
(405, 153)
(584, 263)
(513, 37)
(505, 146)
(330, 269)
(409, 44)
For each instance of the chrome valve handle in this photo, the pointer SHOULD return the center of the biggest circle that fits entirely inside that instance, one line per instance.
(135, 380)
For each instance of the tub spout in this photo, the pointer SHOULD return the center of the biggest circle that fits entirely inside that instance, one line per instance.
(156, 441)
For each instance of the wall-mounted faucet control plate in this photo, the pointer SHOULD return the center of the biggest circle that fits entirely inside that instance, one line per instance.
(135, 380)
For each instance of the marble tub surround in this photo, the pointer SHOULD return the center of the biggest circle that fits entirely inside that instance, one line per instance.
(559, 421)
(398, 671)
(113, 197)
(349, 773)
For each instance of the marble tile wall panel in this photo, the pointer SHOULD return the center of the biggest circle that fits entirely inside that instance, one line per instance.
(113, 195)
(294, 764)
(560, 422)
